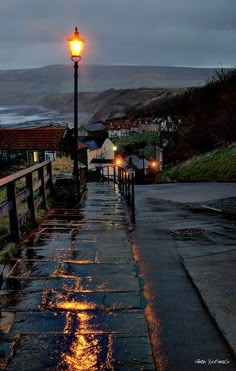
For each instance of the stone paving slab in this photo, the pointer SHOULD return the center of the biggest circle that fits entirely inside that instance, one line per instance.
(97, 270)
(107, 283)
(20, 301)
(28, 285)
(130, 322)
(60, 352)
(72, 295)
(34, 269)
(93, 300)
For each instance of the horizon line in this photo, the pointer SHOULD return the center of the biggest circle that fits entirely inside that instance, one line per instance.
(122, 65)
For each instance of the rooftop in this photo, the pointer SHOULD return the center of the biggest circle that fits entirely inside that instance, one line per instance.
(98, 126)
(43, 138)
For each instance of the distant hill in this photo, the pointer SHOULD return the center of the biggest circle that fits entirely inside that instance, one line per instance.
(110, 103)
(30, 86)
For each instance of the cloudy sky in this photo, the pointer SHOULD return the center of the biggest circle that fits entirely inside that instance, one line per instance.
(150, 32)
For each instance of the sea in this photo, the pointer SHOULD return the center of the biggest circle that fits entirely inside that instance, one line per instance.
(33, 116)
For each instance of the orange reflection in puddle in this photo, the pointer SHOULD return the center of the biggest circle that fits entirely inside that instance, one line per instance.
(63, 302)
(70, 305)
(75, 261)
(84, 351)
(82, 355)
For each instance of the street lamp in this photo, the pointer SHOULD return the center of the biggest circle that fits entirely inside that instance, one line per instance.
(153, 165)
(118, 161)
(76, 45)
(159, 148)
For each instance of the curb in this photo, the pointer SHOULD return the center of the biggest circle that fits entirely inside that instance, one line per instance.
(206, 306)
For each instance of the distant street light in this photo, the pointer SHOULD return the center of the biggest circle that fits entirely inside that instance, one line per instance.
(154, 165)
(76, 45)
(118, 161)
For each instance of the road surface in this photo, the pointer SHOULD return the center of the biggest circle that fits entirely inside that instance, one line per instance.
(183, 335)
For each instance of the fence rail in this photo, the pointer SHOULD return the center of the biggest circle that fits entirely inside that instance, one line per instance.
(34, 194)
(125, 181)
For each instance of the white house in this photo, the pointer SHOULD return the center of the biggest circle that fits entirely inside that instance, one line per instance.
(100, 152)
(121, 128)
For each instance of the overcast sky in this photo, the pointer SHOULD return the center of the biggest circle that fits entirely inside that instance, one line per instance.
(34, 33)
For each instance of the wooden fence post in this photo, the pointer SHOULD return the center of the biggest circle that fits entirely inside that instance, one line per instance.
(132, 199)
(42, 188)
(12, 211)
(30, 197)
(114, 173)
(49, 171)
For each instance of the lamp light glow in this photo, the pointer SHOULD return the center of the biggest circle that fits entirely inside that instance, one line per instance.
(154, 164)
(118, 161)
(76, 45)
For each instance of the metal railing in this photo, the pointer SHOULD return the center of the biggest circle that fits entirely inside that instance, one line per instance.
(36, 185)
(125, 181)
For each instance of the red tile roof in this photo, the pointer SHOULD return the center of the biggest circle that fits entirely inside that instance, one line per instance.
(43, 138)
(122, 124)
(49, 127)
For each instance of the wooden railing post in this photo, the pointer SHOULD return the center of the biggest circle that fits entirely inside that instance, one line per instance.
(132, 198)
(119, 178)
(42, 188)
(114, 173)
(12, 210)
(30, 197)
(49, 171)
(129, 180)
(13, 199)
(123, 180)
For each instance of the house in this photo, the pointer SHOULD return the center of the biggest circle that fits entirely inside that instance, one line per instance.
(140, 165)
(34, 144)
(99, 152)
(92, 130)
(121, 128)
(165, 124)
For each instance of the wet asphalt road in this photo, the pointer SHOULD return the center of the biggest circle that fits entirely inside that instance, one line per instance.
(183, 335)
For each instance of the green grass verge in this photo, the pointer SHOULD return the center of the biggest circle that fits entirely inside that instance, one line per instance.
(7, 252)
(136, 142)
(218, 165)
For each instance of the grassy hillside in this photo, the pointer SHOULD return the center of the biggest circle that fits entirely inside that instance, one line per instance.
(205, 117)
(218, 165)
(137, 143)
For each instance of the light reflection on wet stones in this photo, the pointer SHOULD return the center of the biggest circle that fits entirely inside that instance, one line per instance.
(74, 289)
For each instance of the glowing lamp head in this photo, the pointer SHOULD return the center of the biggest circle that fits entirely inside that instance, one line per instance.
(118, 162)
(76, 45)
(154, 164)
(114, 148)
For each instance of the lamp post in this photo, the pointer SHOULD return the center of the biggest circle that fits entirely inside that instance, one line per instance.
(76, 45)
(159, 148)
(114, 167)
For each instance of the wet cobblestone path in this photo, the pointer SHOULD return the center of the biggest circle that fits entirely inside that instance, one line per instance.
(71, 298)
